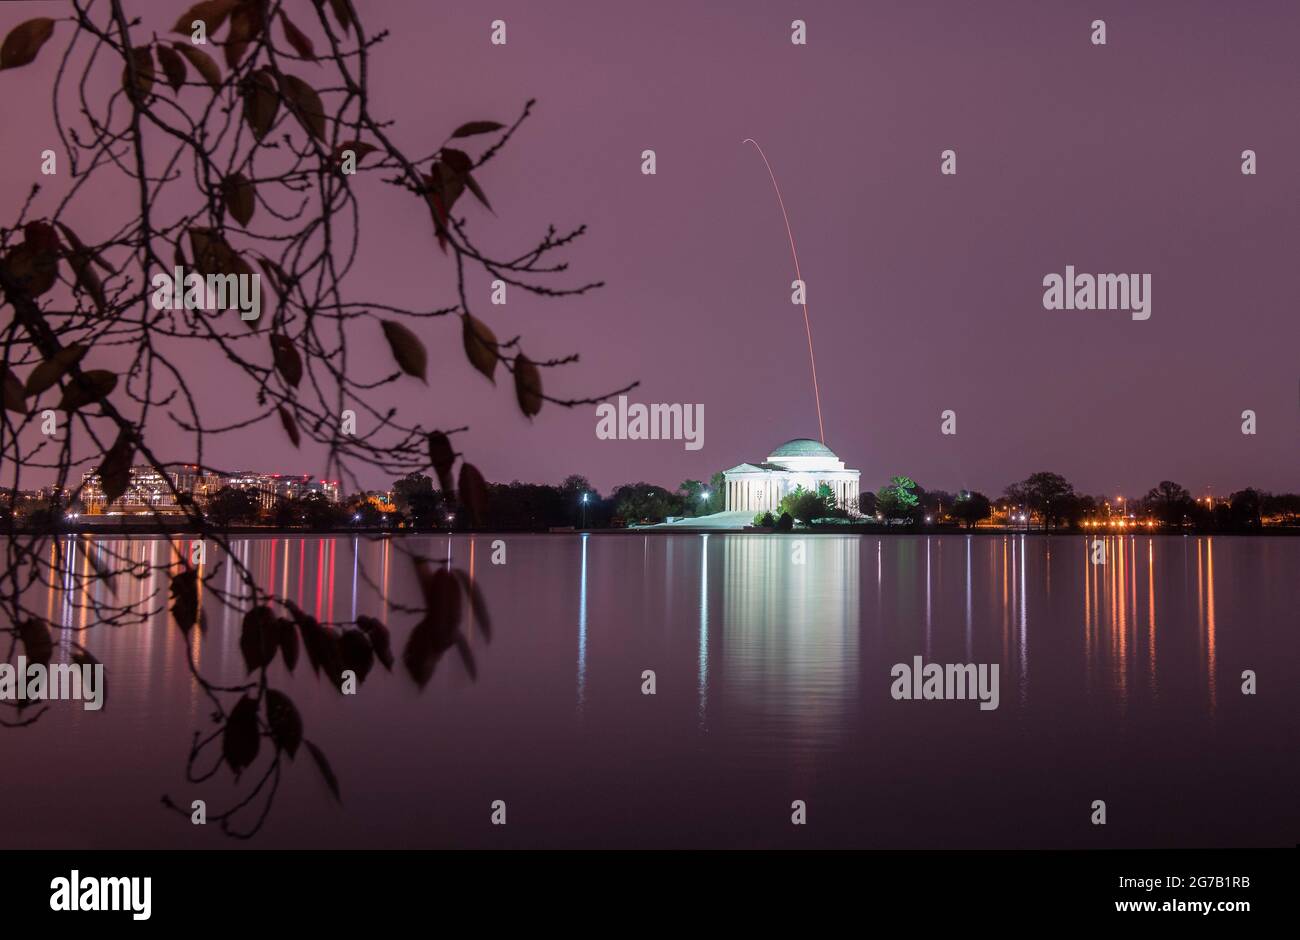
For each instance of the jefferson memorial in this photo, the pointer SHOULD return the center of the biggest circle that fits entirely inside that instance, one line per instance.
(801, 462)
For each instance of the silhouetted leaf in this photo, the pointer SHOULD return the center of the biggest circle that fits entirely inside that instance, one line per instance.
(203, 63)
(83, 658)
(37, 642)
(466, 655)
(442, 457)
(440, 205)
(48, 373)
(480, 345)
(138, 89)
(359, 148)
(259, 638)
(296, 38)
(342, 13)
(476, 603)
(241, 739)
(24, 41)
(407, 349)
(173, 67)
(287, 361)
(245, 23)
(438, 631)
(358, 655)
(450, 176)
(321, 645)
(420, 655)
(213, 255)
(288, 642)
(528, 386)
(83, 261)
(380, 640)
(92, 386)
(473, 492)
(456, 161)
(93, 553)
(240, 196)
(185, 599)
(212, 12)
(478, 193)
(290, 425)
(305, 104)
(326, 771)
(477, 127)
(261, 102)
(115, 471)
(78, 247)
(285, 722)
(15, 397)
(443, 600)
(33, 270)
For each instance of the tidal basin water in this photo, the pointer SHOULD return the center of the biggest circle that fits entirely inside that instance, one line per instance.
(1118, 682)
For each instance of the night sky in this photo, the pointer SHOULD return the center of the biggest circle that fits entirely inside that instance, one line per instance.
(925, 291)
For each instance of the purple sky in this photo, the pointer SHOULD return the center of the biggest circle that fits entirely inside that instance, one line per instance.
(924, 290)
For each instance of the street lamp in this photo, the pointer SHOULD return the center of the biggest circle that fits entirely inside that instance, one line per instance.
(584, 509)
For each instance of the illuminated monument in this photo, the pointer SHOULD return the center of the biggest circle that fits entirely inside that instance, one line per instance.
(801, 462)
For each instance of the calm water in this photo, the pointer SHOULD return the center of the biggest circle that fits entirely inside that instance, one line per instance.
(1118, 682)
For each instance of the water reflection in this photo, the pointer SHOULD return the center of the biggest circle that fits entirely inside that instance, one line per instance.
(704, 628)
(784, 633)
(790, 631)
(582, 626)
(772, 662)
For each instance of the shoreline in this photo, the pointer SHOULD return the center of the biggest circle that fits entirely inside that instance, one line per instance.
(152, 531)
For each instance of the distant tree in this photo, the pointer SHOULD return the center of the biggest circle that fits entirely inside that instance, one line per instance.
(572, 491)
(284, 514)
(694, 497)
(1169, 502)
(575, 485)
(417, 500)
(867, 503)
(898, 499)
(231, 505)
(644, 502)
(970, 508)
(362, 512)
(1284, 508)
(936, 502)
(785, 523)
(805, 505)
(717, 501)
(1245, 506)
(319, 513)
(1048, 494)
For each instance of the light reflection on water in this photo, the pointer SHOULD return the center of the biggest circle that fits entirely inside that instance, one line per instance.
(772, 658)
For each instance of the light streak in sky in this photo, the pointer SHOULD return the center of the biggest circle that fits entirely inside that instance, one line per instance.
(812, 360)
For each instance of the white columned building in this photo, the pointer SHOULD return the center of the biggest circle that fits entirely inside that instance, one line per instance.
(801, 462)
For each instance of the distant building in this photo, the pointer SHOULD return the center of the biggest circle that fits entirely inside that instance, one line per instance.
(799, 463)
(150, 491)
(147, 491)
